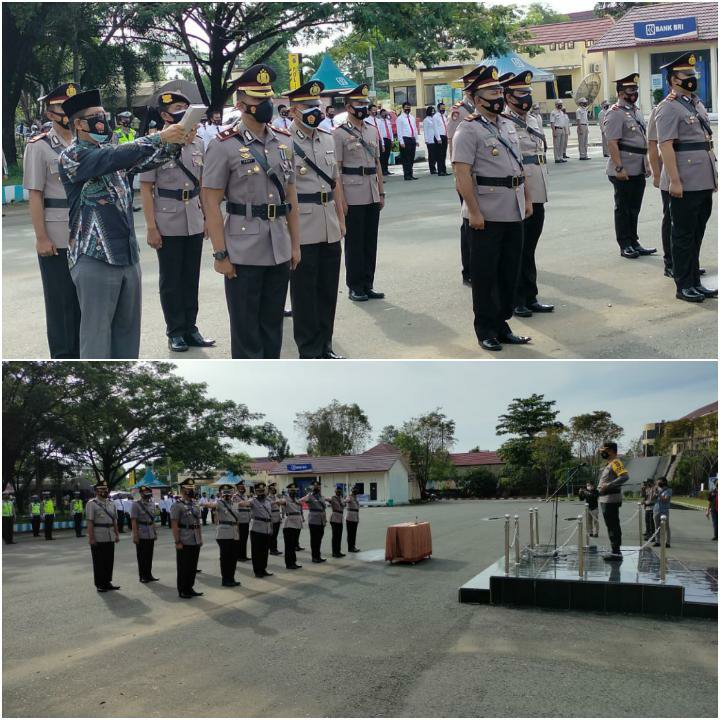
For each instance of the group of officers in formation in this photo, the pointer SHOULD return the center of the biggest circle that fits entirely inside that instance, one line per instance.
(291, 193)
(240, 514)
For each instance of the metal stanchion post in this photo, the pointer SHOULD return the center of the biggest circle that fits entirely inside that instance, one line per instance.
(663, 551)
(517, 540)
(532, 529)
(640, 524)
(587, 526)
(507, 544)
(537, 526)
(581, 550)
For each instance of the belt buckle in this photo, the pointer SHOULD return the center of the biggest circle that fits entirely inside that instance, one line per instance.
(323, 197)
(271, 211)
(541, 159)
(186, 196)
(515, 181)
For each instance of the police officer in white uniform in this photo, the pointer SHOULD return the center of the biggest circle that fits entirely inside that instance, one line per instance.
(581, 121)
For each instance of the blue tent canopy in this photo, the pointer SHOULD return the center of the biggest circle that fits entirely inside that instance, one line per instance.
(151, 480)
(512, 62)
(329, 74)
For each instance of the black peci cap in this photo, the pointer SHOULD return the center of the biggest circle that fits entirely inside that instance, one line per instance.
(82, 101)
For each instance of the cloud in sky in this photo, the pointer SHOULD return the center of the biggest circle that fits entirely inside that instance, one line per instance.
(472, 393)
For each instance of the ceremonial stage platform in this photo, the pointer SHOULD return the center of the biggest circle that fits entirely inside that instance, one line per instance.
(631, 586)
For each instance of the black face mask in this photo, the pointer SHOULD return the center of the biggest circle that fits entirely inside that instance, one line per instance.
(406, 111)
(360, 112)
(631, 97)
(177, 116)
(262, 112)
(604, 454)
(431, 113)
(190, 494)
(496, 105)
(99, 127)
(63, 118)
(146, 496)
(312, 117)
(690, 84)
(524, 103)
(260, 495)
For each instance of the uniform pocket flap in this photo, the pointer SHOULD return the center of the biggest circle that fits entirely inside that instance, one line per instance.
(241, 225)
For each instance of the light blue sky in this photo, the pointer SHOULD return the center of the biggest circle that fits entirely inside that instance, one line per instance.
(472, 393)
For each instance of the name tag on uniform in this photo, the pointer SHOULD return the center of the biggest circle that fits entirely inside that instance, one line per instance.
(246, 160)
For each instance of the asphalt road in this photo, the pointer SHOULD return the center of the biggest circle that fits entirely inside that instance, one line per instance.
(606, 307)
(352, 637)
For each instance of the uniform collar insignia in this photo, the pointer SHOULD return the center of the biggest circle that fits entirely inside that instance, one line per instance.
(249, 137)
(54, 140)
(300, 134)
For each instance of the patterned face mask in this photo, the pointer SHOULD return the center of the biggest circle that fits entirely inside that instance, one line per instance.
(99, 128)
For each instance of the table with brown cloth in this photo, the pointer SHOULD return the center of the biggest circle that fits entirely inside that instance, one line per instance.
(408, 542)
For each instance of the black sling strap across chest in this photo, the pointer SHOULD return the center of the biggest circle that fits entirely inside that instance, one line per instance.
(145, 510)
(532, 131)
(360, 139)
(496, 133)
(190, 175)
(692, 110)
(104, 509)
(261, 160)
(330, 181)
(229, 509)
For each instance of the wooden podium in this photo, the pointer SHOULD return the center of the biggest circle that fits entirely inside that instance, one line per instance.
(408, 542)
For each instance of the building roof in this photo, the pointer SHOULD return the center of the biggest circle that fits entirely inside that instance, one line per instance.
(622, 34)
(562, 32)
(332, 77)
(383, 449)
(471, 459)
(339, 464)
(701, 412)
(581, 15)
(259, 465)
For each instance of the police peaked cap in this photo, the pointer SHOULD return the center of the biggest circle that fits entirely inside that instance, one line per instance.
(170, 97)
(189, 483)
(256, 81)
(309, 91)
(60, 94)
(100, 484)
(361, 92)
(628, 81)
(487, 77)
(517, 81)
(82, 101)
(226, 488)
(684, 63)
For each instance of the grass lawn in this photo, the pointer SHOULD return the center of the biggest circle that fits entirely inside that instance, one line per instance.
(15, 175)
(693, 502)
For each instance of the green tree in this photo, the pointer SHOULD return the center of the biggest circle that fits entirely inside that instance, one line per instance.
(614, 9)
(336, 429)
(479, 482)
(550, 454)
(588, 432)
(528, 416)
(538, 13)
(695, 467)
(388, 434)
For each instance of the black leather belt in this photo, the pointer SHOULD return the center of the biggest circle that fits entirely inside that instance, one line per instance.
(144, 522)
(264, 212)
(511, 181)
(227, 522)
(686, 146)
(102, 524)
(189, 527)
(293, 513)
(359, 170)
(184, 195)
(55, 203)
(318, 198)
(534, 159)
(632, 149)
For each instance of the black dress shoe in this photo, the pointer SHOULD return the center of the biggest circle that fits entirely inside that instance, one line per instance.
(185, 596)
(522, 311)
(373, 295)
(467, 281)
(630, 253)
(245, 559)
(357, 297)
(151, 579)
(558, 161)
(331, 355)
(702, 271)
(538, 307)
(101, 589)
(644, 251)
(275, 552)
(668, 272)
(293, 567)
(689, 295)
(230, 583)
(177, 343)
(707, 292)
(267, 574)
(110, 586)
(492, 344)
(512, 339)
(195, 593)
(287, 313)
(298, 548)
(585, 158)
(319, 560)
(195, 339)
(354, 549)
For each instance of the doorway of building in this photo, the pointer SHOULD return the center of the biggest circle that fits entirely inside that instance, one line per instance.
(303, 484)
(373, 491)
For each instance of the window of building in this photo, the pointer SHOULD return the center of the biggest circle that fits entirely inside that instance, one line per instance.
(405, 94)
(360, 487)
(561, 46)
(430, 95)
(553, 46)
(650, 434)
(550, 90)
(589, 43)
(571, 45)
(564, 86)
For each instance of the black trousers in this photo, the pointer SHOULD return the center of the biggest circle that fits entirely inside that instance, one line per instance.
(275, 533)
(316, 536)
(665, 228)
(385, 154)
(259, 546)
(256, 303)
(314, 292)
(611, 515)
(228, 559)
(62, 310)
(628, 201)
(352, 526)
(179, 260)
(464, 246)
(242, 542)
(527, 290)
(407, 155)
(187, 562)
(163, 517)
(495, 254)
(362, 222)
(336, 529)
(35, 521)
(103, 560)
(121, 521)
(290, 538)
(689, 215)
(144, 551)
(442, 155)
(8, 529)
(48, 522)
(204, 513)
(432, 150)
(77, 523)
(649, 523)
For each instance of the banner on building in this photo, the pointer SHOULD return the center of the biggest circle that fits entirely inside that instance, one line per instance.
(673, 28)
(294, 63)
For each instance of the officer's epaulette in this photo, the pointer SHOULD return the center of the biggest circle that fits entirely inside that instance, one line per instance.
(227, 133)
(457, 104)
(281, 131)
(472, 116)
(323, 130)
(37, 137)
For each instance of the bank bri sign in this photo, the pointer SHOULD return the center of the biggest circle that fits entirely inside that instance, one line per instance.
(670, 29)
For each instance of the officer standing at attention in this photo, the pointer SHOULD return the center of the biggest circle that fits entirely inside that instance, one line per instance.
(441, 130)
(228, 535)
(276, 518)
(581, 120)
(144, 534)
(76, 507)
(612, 478)
(35, 511)
(49, 215)
(316, 520)
(689, 174)
(358, 161)
(8, 519)
(352, 519)
(628, 166)
(314, 282)
(490, 177)
(252, 164)
(261, 531)
(558, 122)
(604, 107)
(243, 522)
(518, 100)
(407, 138)
(48, 510)
(187, 532)
(293, 526)
(337, 506)
(175, 229)
(102, 531)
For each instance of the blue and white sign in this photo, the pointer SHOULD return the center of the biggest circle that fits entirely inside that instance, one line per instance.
(299, 467)
(672, 28)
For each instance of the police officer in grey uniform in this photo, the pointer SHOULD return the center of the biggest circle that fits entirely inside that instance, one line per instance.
(357, 154)
(314, 283)
(317, 520)
(352, 518)
(261, 531)
(337, 507)
(243, 524)
(689, 174)
(49, 216)
(144, 534)
(604, 107)
(185, 521)
(102, 531)
(581, 120)
(293, 526)
(276, 518)
(491, 179)
(175, 222)
(628, 166)
(252, 164)
(518, 101)
(228, 534)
